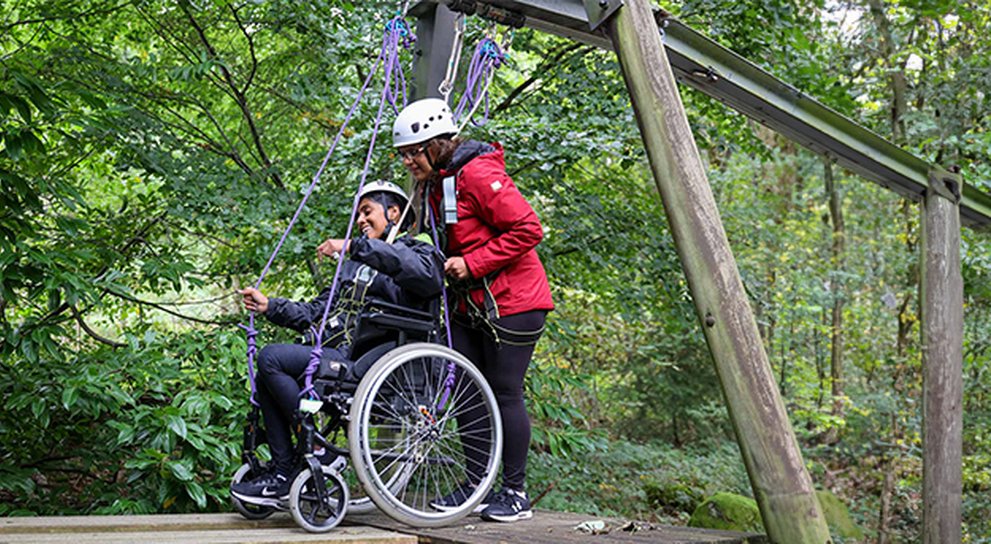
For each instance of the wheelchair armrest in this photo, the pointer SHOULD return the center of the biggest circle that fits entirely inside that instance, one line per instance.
(399, 322)
(377, 307)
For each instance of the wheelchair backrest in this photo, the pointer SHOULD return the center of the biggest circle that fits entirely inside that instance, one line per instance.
(379, 322)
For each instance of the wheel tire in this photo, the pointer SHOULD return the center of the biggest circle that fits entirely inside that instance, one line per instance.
(307, 510)
(426, 455)
(248, 510)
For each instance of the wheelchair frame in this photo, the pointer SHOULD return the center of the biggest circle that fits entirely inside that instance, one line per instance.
(402, 403)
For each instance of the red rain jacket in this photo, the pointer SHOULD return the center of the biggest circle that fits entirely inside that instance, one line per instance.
(497, 230)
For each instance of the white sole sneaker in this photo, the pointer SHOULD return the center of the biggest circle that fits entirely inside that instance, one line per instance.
(519, 516)
(260, 501)
(444, 508)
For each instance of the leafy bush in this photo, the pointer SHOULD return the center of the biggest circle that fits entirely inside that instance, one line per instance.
(153, 427)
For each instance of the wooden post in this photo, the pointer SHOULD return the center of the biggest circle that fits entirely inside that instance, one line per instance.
(942, 361)
(781, 484)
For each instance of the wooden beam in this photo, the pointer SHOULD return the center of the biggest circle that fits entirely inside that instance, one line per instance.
(781, 484)
(942, 361)
(435, 38)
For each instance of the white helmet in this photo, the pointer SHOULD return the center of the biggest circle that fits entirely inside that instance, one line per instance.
(421, 121)
(382, 186)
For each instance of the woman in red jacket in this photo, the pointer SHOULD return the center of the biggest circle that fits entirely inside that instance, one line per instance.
(501, 292)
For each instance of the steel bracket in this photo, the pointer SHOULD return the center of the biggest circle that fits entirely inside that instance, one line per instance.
(599, 11)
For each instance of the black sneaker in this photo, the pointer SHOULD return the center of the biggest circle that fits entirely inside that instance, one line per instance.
(457, 497)
(265, 490)
(508, 505)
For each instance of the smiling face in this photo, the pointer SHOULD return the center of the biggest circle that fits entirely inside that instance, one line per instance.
(415, 160)
(373, 217)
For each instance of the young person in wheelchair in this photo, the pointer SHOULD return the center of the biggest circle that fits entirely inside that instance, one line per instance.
(407, 272)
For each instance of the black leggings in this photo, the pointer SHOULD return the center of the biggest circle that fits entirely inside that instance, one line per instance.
(504, 365)
(280, 369)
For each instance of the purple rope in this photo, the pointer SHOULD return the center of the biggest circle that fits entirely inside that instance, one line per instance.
(447, 316)
(487, 57)
(250, 327)
(390, 49)
(251, 333)
(407, 39)
(449, 380)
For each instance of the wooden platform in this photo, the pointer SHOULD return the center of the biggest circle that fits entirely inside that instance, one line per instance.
(559, 528)
(544, 528)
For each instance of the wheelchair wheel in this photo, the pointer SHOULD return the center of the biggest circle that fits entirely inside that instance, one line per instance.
(414, 415)
(248, 510)
(308, 510)
(360, 502)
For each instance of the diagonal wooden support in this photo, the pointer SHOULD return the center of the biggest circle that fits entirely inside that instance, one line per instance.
(781, 484)
(942, 361)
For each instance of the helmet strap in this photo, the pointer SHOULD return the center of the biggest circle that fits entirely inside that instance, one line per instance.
(394, 230)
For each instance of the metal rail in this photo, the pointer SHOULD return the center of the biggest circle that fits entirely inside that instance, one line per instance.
(707, 66)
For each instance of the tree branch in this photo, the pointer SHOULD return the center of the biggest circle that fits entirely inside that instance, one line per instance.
(167, 310)
(239, 97)
(539, 72)
(93, 334)
(251, 49)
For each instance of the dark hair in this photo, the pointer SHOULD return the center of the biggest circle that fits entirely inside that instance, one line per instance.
(388, 200)
(445, 150)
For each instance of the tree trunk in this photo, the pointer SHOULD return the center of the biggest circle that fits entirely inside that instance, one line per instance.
(781, 484)
(838, 247)
(899, 83)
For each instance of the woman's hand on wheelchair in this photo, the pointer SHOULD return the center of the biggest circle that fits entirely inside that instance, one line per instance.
(254, 300)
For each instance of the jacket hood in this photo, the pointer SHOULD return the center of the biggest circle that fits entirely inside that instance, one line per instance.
(468, 150)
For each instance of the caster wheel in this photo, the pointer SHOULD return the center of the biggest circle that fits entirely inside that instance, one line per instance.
(312, 514)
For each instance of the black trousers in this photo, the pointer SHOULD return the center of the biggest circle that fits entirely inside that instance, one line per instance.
(504, 364)
(280, 370)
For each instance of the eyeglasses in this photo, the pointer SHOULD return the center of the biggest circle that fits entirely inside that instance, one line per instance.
(411, 154)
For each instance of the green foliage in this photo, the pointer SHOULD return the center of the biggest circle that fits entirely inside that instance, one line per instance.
(148, 428)
(729, 512)
(151, 154)
(622, 478)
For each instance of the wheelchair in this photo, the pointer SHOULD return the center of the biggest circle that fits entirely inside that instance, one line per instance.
(387, 429)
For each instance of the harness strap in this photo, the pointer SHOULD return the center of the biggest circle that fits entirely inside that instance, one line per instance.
(450, 203)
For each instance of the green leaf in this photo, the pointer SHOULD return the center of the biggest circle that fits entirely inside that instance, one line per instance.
(177, 425)
(195, 492)
(22, 107)
(69, 396)
(180, 470)
(12, 145)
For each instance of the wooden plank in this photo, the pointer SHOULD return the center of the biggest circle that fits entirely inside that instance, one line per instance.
(181, 529)
(781, 484)
(942, 362)
(559, 528)
(544, 528)
(345, 535)
(148, 523)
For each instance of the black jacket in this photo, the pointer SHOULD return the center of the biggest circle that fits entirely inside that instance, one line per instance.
(409, 272)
